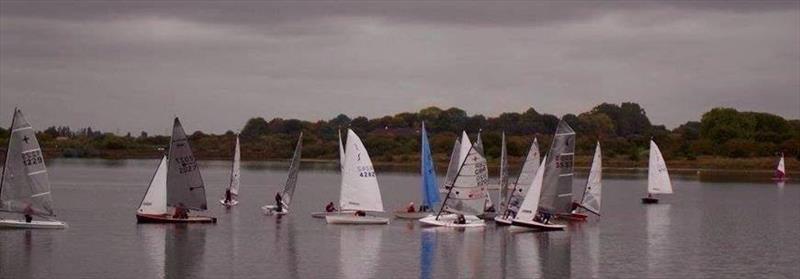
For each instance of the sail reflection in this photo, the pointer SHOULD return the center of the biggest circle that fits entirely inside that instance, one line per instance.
(152, 238)
(184, 249)
(658, 221)
(471, 254)
(359, 251)
(427, 253)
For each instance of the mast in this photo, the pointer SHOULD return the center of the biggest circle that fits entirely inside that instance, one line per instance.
(5, 161)
(453, 184)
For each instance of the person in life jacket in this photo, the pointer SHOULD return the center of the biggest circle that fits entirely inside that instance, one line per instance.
(278, 202)
(410, 208)
(330, 207)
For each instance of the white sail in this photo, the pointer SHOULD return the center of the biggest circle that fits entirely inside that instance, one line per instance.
(557, 185)
(526, 175)
(234, 185)
(468, 195)
(531, 202)
(455, 162)
(24, 185)
(341, 153)
(657, 176)
(503, 193)
(294, 169)
(782, 166)
(155, 200)
(360, 190)
(184, 182)
(593, 191)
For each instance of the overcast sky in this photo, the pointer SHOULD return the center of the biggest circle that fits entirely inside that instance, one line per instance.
(132, 66)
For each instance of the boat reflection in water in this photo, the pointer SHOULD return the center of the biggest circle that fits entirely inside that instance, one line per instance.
(658, 242)
(152, 238)
(427, 253)
(359, 251)
(538, 254)
(586, 242)
(184, 251)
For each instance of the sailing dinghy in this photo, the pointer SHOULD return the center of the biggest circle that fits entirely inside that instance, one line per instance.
(780, 171)
(556, 196)
(466, 196)
(177, 183)
(529, 215)
(658, 181)
(489, 212)
(430, 192)
(291, 182)
(513, 199)
(231, 197)
(359, 189)
(24, 184)
(322, 214)
(590, 202)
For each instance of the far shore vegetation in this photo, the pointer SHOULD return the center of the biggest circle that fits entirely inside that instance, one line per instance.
(723, 138)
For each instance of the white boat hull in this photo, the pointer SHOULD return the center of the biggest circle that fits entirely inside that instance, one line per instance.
(449, 220)
(401, 214)
(231, 203)
(270, 210)
(537, 225)
(500, 221)
(350, 219)
(35, 224)
(324, 214)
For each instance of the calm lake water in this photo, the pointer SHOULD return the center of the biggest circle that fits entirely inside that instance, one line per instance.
(741, 229)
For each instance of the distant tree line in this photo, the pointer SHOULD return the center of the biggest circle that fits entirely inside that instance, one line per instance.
(624, 131)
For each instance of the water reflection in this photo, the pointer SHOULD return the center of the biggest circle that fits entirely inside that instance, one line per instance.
(285, 235)
(359, 250)
(658, 242)
(184, 250)
(427, 252)
(525, 259)
(152, 238)
(587, 238)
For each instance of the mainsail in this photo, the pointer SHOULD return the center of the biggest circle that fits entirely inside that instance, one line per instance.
(430, 193)
(658, 181)
(155, 200)
(593, 191)
(184, 183)
(530, 204)
(360, 190)
(557, 184)
(234, 184)
(479, 147)
(468, 192)
(341, 153)
(294, 169)
(780, 171)
(24, 185)
(526, 175)
(503, 193)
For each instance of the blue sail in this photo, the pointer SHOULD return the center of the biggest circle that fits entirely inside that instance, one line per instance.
(430, 192)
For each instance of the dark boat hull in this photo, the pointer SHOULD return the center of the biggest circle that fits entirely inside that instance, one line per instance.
(573, 217)
(649, 200)
(162, 219)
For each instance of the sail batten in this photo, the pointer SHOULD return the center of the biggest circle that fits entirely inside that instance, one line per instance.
(25, 185)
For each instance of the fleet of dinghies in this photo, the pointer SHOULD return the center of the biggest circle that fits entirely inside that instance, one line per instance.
(540, 196)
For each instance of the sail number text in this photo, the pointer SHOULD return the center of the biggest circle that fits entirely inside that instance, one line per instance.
(564, 161)
(186, 164)
(32, 158)
(365, 171)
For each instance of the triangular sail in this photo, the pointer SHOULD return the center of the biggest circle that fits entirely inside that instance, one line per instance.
(294, 169)
(503, 193)
(430, 193)
(526, 174)
(25, 186)
(593, 191)
(658, 181)
(557, 184)
(455, 162)
(341, 153)
(780, 171)
(234, 184)
(479, 145)
(155, 200)
(530, 204)
(184, 183)
(360, 190)
(468, 193)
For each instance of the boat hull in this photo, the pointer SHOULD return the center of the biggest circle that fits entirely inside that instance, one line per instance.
(350, 219)
(166, 218)
(649, 200)
(538, 226)
(500, 221)
(35, 224)
(488, 216)
(270, 210)
(400, 214)
(448, 220)
(323, 214)
(573, 217)
(228, 204)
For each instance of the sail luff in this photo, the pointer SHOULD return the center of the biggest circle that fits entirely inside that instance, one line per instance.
(658, 181)
(26, 185)
(341, 153)
(5, 160)
(430, 194)
(503, 193)
(294, 169)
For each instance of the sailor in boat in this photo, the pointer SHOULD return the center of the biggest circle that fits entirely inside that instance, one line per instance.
(461, 220)
(28, 214)
(410, 208)
(423, 208)
(227, 196)
(360, 213)
(513, 206)
(278, 202)
(330, 207)
(181, 212)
